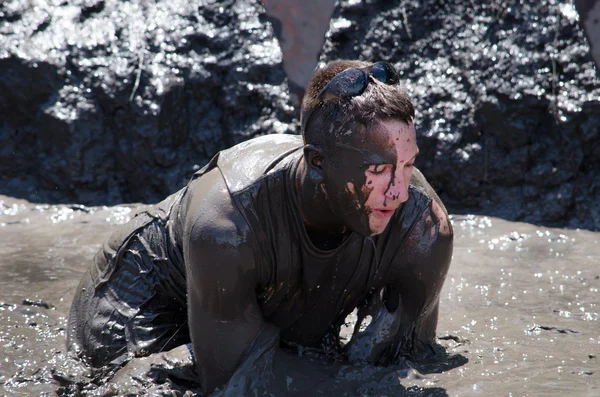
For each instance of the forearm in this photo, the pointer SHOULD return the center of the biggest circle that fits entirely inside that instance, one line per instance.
(224, 321)
(253, 374)
(371, 343)
(394, 333)
(223, 330)
(218, 352)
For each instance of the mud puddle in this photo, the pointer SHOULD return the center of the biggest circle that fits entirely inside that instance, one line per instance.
(521, 304)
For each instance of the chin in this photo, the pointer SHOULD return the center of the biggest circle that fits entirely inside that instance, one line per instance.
(369, 230)
(377, 229)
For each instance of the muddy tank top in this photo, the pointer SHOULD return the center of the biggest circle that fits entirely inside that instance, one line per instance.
(304, 290)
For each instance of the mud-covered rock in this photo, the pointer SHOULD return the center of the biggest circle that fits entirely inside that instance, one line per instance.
(104, 101)
(507, 97)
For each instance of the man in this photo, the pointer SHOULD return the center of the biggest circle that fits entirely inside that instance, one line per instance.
(277, 240)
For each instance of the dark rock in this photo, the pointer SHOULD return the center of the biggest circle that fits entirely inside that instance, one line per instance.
(507, 97)
(104, 101)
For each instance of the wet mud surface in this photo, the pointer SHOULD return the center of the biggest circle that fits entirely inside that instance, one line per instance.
(519, 314)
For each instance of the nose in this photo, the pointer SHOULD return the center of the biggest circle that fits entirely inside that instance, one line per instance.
(398, 188)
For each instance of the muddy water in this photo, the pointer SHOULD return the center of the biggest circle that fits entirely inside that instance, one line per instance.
(521, 304)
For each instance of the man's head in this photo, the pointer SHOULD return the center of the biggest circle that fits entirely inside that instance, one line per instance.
(360, 141)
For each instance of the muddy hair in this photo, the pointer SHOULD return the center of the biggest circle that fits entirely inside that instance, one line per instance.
(378, 102)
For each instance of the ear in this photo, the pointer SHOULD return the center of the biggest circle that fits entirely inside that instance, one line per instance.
(313, 159)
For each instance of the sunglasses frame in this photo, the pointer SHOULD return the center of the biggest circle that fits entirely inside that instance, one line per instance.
(352, 82)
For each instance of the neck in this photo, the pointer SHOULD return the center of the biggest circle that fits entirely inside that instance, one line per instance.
(322, 225)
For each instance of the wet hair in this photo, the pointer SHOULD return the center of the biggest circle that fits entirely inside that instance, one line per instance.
(378, 102)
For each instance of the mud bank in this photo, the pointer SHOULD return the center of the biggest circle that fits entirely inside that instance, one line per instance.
(520, 311)
(104, 102)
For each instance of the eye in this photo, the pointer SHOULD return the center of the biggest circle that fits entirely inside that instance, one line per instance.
(409, 165)
(377, 169)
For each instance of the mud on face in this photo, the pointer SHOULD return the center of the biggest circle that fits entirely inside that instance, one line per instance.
(369, 173)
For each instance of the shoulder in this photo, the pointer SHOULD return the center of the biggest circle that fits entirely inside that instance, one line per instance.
(424, 237)
(432, 213)
(429, 243)
(421, 235)
(247, 162)
(208, 214)
(218, 245)
(216, 197)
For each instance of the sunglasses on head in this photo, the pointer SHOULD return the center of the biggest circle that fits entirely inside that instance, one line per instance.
(352, 82)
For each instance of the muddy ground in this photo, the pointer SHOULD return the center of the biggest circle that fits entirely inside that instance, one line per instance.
(519, 311)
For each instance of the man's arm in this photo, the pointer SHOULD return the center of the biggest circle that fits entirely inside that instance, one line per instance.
(405, 314)
(224, 317)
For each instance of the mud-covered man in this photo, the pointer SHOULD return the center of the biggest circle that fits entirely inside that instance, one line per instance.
(277, 240)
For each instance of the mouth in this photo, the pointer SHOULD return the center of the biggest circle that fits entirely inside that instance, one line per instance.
(384, 213)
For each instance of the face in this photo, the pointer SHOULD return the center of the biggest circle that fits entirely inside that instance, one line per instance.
(369, 175)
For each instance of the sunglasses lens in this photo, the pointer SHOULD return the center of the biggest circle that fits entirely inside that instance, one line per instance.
(385, 72)
(349, 83)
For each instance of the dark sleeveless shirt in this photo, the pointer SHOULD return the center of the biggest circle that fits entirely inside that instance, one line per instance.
(303, 290)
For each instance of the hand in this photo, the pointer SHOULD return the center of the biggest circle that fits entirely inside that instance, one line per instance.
(379, 336)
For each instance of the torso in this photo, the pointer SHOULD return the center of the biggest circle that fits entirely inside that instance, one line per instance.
(302, 289)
